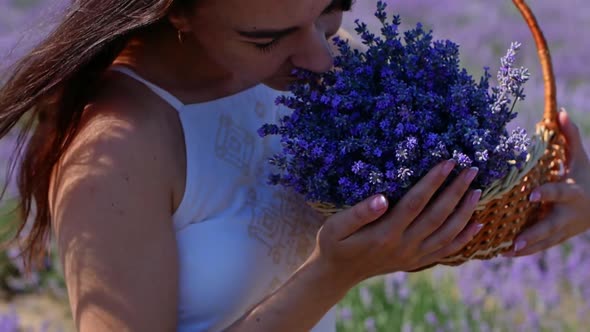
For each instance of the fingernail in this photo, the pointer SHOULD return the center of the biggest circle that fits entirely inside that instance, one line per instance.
(520, 244)
(378, 203)
(535, 196)
(448, 167)
(478, 228)
(475, 196)
(471, 174)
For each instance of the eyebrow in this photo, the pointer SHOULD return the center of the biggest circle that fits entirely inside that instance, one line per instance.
(279, 33)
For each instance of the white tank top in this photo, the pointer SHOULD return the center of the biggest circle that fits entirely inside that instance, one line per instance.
(238, 238)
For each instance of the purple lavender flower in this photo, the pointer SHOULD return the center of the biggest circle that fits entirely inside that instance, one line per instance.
(431, 318)
(370, 325)
(382, 118)
(366, 297)
(407, 327)
(345, 314)
(10, 321)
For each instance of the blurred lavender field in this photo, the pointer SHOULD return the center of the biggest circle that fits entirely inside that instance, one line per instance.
(484, 30)
(545, 292)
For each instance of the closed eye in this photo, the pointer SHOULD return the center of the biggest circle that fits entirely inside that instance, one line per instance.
(267, 47)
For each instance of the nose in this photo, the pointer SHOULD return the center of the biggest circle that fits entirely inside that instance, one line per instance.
(314, 53)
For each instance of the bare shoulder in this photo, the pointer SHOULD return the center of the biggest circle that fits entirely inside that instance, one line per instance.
(125, 137)
(110, 200)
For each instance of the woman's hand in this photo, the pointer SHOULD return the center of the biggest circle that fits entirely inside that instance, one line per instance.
(570, 213)
(363, 241)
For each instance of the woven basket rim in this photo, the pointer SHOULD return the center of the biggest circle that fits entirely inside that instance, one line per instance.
(550, 116)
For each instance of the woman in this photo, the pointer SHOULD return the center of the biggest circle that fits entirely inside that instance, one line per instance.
(144, 165)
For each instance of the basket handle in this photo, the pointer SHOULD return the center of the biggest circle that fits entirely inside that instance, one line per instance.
(550, 116)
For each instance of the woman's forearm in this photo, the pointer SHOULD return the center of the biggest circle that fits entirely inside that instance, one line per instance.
(299, 304)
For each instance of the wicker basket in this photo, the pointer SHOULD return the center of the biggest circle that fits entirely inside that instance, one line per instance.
(505, 209)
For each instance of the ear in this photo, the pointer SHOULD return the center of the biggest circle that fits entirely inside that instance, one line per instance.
(179, 19)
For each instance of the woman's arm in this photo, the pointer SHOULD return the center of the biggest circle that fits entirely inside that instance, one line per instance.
(111, 215)
(299, 304)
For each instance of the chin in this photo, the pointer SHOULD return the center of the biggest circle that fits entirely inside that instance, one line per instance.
(277, 87)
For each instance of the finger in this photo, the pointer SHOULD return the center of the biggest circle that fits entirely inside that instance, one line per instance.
(572, 135)
(347, 222)
(413, 202)
(453, 226)
(456, 245)
(543, 229)
(557, 192)
(544, 244)
(436, 214)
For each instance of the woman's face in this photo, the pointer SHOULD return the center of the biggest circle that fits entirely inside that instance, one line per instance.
(264, 40)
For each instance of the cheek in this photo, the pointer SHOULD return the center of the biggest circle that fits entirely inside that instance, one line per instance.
(240, 59)
(255, 63)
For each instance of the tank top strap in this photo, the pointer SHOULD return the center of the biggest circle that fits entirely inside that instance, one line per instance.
(165, 95)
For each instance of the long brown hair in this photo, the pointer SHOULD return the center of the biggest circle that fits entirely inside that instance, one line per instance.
(47, 91)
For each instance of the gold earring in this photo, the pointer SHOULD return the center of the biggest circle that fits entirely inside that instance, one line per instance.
(180, 37)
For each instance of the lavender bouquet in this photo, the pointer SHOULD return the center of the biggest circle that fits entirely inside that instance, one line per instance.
(383, 117)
